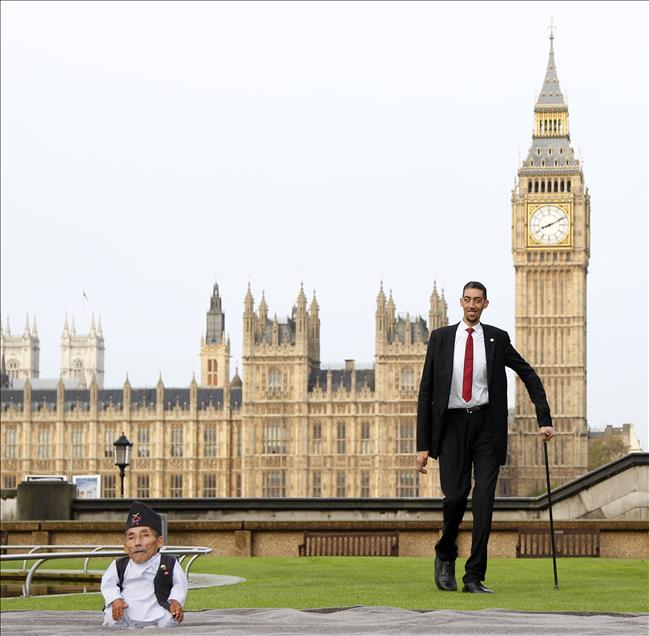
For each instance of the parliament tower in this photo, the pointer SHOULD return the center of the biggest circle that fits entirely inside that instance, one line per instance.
(550, 244)
(215, 345)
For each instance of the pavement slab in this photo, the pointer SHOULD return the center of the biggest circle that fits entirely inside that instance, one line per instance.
(342, 621)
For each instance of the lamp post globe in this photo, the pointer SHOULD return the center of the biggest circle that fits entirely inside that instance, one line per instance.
(122, 448)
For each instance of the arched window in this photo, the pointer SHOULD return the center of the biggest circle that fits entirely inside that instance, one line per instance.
(340, 438)
(275, 436)
(13, 369)
(407, 379)
(542, 186)
(274, 379)
(77, 369)
(212, 372)
(556, 186)
(568, 185)
(536, 185)
(316, 438)
(563, 185)
(529, 185)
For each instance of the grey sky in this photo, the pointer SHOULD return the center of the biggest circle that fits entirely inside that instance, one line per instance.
(151, 148)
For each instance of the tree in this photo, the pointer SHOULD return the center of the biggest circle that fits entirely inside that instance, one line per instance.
(604, 449)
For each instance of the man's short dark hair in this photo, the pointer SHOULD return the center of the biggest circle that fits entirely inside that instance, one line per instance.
(474, 284)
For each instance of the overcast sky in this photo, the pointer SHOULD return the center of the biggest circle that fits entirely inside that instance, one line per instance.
(149, 149)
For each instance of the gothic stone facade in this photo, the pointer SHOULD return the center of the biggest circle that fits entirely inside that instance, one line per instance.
(290, 429)
(82, 356)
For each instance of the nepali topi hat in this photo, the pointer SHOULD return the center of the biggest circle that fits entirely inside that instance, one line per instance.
(140, 515)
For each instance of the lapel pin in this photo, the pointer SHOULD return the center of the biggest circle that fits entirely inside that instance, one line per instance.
(491, 339)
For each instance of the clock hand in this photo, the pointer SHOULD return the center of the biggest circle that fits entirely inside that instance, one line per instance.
(551, 223)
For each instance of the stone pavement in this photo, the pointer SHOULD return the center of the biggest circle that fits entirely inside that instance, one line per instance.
(342, 622)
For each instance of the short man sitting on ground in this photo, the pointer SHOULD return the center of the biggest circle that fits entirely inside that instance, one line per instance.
(145, 588)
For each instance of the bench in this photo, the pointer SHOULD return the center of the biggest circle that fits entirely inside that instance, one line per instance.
(350, 544)
(536, 543)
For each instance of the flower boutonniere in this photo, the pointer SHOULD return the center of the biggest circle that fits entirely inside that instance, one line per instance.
(165, 572)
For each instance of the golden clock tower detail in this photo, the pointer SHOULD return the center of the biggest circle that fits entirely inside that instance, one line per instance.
(550, 244)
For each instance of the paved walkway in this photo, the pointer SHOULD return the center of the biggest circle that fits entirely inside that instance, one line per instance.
(342, 622)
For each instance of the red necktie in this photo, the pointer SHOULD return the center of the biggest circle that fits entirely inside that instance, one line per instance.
(467, 380)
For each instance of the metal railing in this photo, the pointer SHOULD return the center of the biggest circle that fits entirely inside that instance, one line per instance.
(83, 552)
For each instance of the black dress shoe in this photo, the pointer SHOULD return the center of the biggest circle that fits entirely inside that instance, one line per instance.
(445, 575)
(476, 588)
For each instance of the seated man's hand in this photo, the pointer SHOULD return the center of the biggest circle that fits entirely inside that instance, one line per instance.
(118, 606)
(176, 610)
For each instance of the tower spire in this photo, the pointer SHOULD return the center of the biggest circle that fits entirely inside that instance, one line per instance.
(301, 297)
(550, 150)
(215, 326)
(551, 91)
(248, 301)
(263, 308)
(380, 298)
(5, 382)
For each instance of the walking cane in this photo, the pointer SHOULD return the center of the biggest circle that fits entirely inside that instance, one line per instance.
(554, 549)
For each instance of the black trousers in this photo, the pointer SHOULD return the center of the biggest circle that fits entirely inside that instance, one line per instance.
(467, 443)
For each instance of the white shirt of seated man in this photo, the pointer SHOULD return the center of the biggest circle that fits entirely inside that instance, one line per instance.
(136, 605)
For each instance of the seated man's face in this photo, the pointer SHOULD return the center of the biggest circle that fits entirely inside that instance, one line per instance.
(141, 543)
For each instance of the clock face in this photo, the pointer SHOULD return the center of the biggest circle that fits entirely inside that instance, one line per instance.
(549, 225)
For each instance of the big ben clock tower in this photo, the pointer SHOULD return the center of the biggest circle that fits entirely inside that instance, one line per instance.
(550, 244)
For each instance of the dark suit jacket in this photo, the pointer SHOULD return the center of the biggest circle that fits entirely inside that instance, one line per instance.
(435, 387)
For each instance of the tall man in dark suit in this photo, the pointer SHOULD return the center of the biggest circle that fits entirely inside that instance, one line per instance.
(462, 422)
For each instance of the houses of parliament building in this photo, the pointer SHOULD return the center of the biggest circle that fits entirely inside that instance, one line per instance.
(290, 428)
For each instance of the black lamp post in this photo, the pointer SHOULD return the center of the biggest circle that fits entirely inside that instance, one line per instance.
(122, 448)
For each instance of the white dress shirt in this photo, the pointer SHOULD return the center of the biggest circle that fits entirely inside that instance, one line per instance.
(480, 391)
(138, 590)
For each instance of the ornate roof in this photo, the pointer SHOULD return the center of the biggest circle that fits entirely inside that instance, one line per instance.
(551, 94)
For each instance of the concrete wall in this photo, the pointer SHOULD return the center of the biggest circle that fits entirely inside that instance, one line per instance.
(624, 495)
(618, 539)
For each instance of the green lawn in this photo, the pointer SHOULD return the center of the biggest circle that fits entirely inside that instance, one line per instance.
(587, 585)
